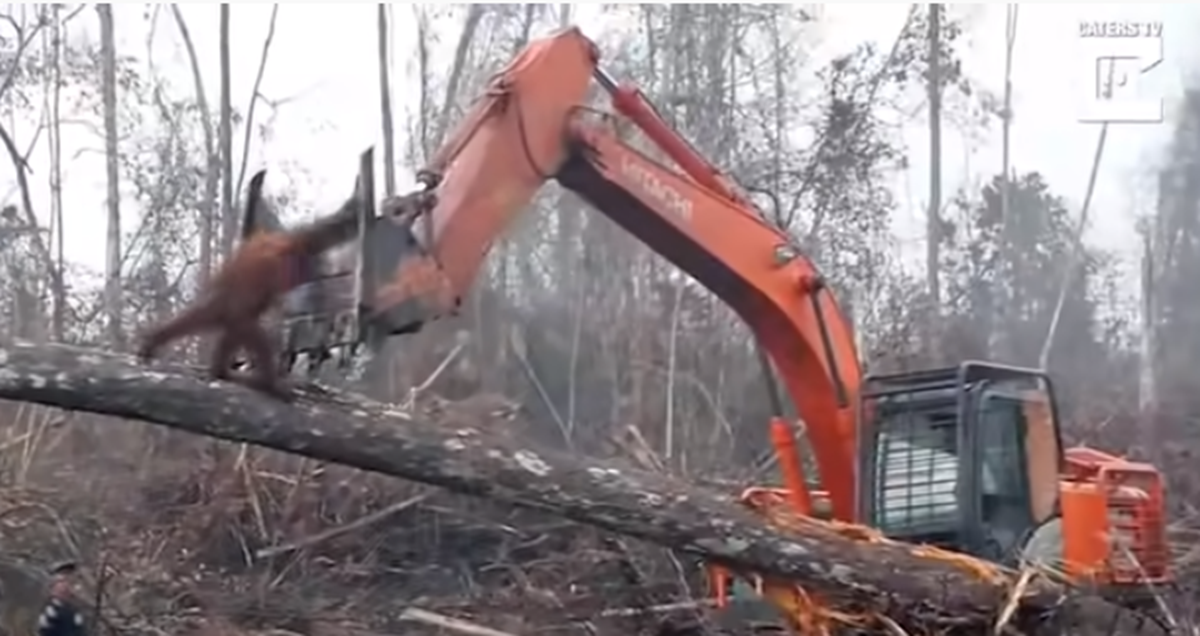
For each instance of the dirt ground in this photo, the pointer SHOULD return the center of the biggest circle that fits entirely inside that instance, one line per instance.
(184, 535)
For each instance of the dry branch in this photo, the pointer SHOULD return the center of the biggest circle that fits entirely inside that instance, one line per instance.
(474, 456)
(357, 524)
(447, 622)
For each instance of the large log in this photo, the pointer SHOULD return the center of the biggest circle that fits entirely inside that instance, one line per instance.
(471, 455)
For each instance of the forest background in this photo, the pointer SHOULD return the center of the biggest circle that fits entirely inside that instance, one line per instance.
(601, 341)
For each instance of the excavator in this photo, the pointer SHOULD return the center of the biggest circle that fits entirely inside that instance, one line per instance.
(968, 458)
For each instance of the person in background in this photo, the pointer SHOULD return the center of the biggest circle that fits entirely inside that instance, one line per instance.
(61, 615)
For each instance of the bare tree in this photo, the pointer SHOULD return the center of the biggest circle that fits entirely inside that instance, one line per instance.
(1077, 244)
(933, 221)
(24, 37)
(1149, 322)
(1010, 37)
(420, 150)
(385, 105)
(475, 14)
(228, 222)
(212, 174)
(112, 274)
(255, 96)
(54, 98)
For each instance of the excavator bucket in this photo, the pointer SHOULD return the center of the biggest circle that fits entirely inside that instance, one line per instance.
(365, 291)
(259, 217)
(400, 278)
(320, 320)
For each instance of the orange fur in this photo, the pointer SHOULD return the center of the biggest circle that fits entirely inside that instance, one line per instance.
(248, 284)
(263, 268)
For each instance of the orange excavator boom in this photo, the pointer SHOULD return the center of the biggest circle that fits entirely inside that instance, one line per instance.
(968, 457)
(631, 102)
(530, 127)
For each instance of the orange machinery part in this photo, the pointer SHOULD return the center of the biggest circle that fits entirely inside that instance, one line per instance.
(531, 126)
(1109, 498)
(783, 438)
(1113, 526)
(1096, 509)
(631, 102)
(524, 131)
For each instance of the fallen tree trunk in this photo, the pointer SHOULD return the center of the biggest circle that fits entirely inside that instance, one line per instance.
(473, 456)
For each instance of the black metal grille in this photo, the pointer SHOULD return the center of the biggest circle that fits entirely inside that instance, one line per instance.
(916, 459)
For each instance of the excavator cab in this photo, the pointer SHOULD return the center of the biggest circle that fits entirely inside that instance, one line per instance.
(334, 316)
(966, 457)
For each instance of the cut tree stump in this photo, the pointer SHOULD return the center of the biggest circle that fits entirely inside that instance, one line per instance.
(469, 454)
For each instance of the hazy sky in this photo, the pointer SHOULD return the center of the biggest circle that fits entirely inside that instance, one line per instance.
(323, 56)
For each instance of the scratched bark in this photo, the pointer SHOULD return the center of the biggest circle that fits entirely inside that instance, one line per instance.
(468, 456)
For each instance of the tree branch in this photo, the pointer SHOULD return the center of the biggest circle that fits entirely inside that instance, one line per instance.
(212, 173)
(18, 163)
(469, 453)
(475, 13)
(254, 96)
(23, 42)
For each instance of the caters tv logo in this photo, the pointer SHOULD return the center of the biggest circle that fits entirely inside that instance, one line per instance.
(1114, 58)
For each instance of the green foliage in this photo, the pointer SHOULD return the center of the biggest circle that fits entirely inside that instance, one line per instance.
(1007, 280)
(78, 69)
(1176, 261)
(912, 51)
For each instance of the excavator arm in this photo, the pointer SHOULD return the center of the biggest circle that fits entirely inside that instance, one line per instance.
(530, 128)
(967, 457)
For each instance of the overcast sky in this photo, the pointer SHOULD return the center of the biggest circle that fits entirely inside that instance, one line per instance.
(323, 57)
